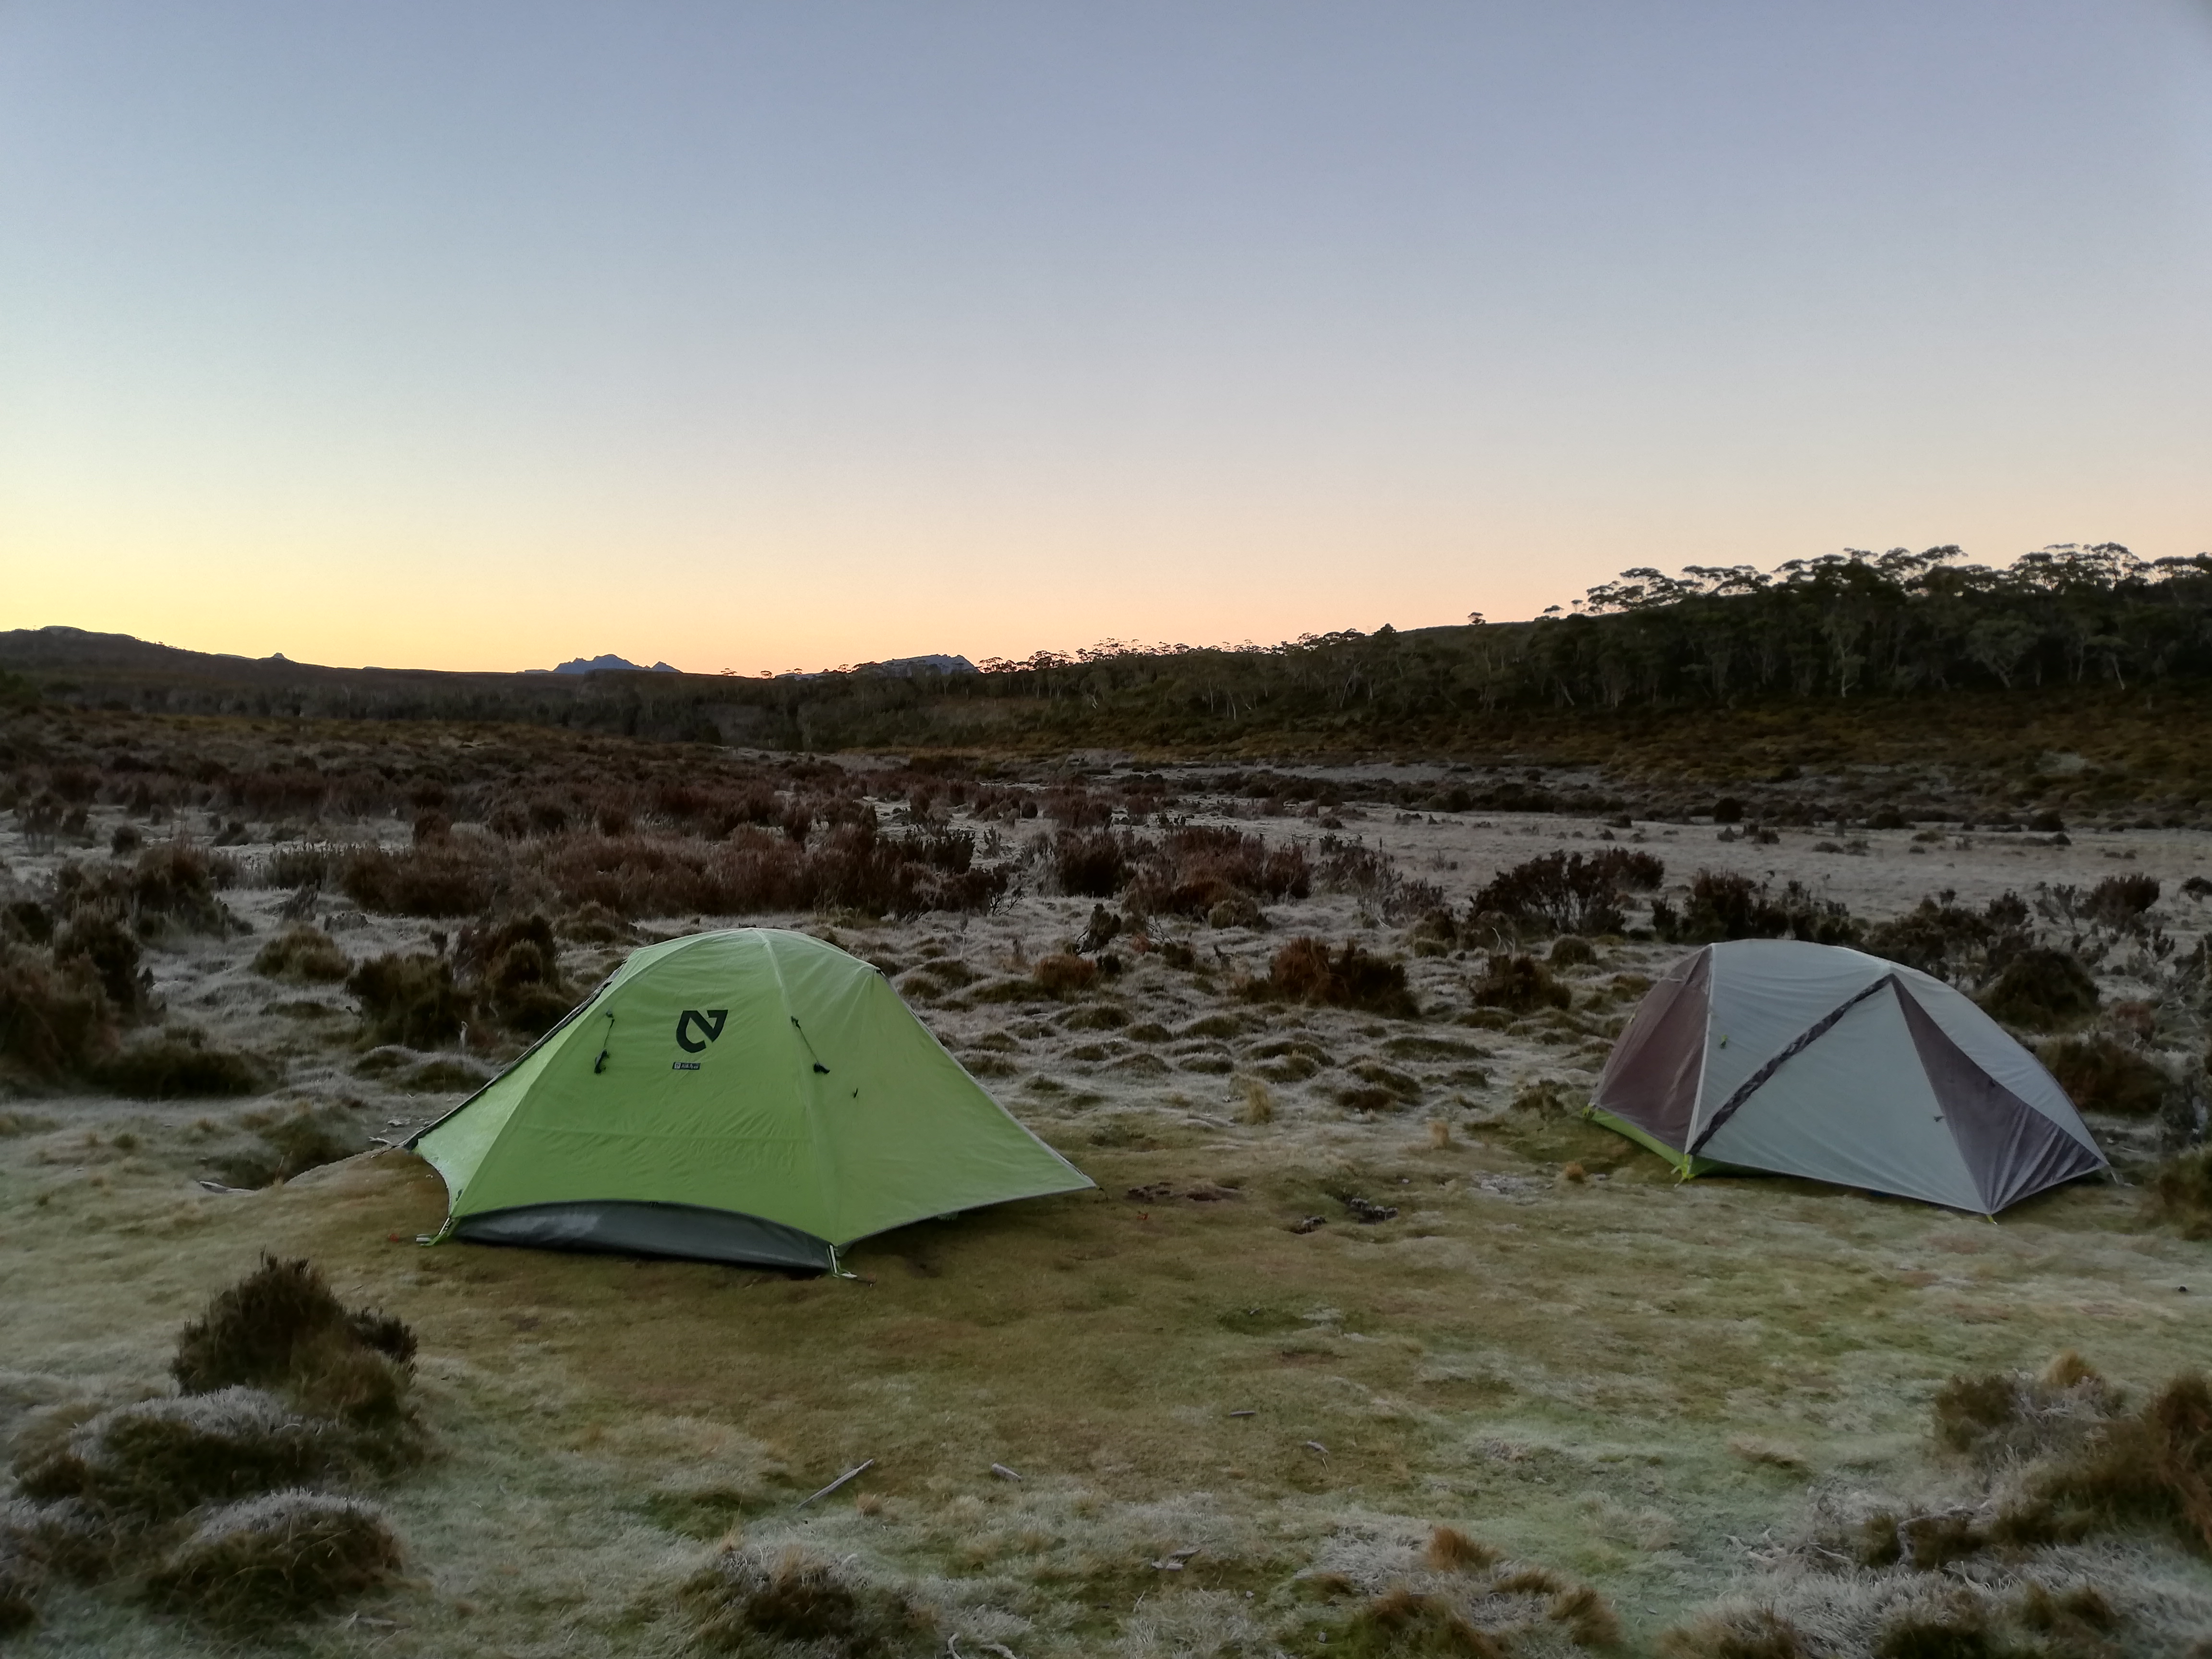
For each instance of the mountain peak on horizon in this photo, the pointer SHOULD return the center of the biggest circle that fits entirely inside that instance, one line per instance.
(607, 663)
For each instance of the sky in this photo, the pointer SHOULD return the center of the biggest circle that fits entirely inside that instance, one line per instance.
(759, 336)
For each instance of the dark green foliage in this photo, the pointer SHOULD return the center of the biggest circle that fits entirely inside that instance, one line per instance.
(276, 1557)
(2118, 901)
(1567, 892)
(1520, 985)
(410, 999)
(744, 1602)
(1304, 971)
(2181, 1191)
(2042, 989)
(178, 1064)
(1946, 939)
(1724, 906)
(2103, 1074)
(306, 954)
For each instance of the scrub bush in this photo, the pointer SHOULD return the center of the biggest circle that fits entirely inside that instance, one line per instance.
(447, 876)
(1304, 971)
(1569, 892)
(278, 1555)
(2103, 1074)
(1191, 870)
(306, 955)
(1094, 864)
(518, 971)
(55, 1019)
(99, 940)
(1521, 985)
(2042, 989)
(1722, 905)
(410, 999)
(2119, 901)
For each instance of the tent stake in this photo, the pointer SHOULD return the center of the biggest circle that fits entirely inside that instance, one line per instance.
(834, 1484)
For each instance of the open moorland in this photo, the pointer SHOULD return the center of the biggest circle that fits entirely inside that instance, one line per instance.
(1364, 1343)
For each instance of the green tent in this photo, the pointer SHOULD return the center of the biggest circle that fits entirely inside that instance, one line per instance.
(752, 1096)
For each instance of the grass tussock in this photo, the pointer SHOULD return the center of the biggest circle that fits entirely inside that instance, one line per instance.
(1586, 1616)
(1450, 1550)
(305, 955)
(1304, 971)
(179, 1063)
(1402, 1620)
(23, 1576)
(1737, 1632)
(790, 1603)
(156, 1459)
(279, 1556)
(2153, 1466)
(281, 1327)
(2181, 1192)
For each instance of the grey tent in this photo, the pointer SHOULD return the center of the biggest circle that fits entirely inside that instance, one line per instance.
(1808, 1060)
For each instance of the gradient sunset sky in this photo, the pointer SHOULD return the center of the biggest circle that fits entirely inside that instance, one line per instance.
(764, 336)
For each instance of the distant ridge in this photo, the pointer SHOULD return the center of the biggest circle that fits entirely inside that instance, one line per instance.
(604, 665)
(898, 668)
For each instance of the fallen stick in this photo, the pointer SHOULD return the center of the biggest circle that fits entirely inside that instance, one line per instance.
(1004, 1472)
(834, 1484)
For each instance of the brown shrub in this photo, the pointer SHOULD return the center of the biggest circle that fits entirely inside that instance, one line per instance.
(1189, 870)
(276, 1557)
(517, 971)
(281, 1326)
(55, 1019)
(1094, 864)
(1521, 985)
(442, 877)
(1586, 1616)
(1304, 971)
(1064, 975)
(2103, 1074)
(98, 940)
(2118, 901)
(306, 954)
(410, 999)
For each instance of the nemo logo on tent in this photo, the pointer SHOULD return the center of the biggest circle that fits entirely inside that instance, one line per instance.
(709, 1024)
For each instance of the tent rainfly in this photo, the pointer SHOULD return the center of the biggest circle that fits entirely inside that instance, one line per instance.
(1809, 1060)
(752, 1095)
